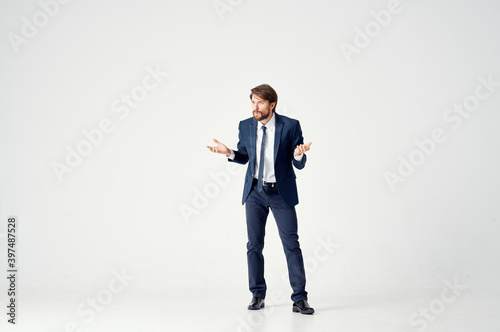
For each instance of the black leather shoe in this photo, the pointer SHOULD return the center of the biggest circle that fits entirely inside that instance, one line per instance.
(256, 304)
(303, 307)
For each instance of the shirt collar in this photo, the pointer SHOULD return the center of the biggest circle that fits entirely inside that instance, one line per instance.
(269, 124)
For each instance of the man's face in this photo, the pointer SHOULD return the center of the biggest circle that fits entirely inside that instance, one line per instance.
(262, 109)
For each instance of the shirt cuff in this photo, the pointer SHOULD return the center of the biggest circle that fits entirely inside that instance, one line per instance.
(299, 157)
(231, 157)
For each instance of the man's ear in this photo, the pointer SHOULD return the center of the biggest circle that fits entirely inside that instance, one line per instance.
(273, 105)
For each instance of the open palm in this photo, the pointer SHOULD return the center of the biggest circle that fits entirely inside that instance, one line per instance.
(219, 148)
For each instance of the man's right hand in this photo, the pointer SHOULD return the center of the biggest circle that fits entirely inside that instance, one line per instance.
(220, 148)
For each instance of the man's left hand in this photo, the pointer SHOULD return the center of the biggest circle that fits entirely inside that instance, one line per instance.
(300, 149)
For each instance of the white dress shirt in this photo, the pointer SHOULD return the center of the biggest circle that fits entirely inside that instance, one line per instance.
(269, 175)
(268, 150)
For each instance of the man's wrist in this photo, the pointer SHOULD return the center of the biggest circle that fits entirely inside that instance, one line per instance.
(299, 157)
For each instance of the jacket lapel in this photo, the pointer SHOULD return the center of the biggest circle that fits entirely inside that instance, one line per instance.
(278, 128)
(253, 145)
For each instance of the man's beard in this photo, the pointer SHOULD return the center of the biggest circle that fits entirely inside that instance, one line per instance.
(261, 116)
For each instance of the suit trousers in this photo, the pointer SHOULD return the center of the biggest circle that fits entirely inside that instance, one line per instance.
(257, 208)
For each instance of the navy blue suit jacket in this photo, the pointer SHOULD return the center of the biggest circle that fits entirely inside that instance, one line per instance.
(287, 136)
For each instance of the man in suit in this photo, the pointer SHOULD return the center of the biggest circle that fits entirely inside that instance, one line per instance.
(271, 144)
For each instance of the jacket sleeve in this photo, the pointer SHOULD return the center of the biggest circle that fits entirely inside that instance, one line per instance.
(241, 154)
(297, 139)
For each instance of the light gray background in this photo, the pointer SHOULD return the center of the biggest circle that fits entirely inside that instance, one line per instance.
(121, 207)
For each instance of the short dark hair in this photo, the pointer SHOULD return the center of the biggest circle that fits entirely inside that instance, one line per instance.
(266, 92)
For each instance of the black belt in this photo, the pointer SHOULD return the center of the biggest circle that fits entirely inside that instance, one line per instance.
(265, 184)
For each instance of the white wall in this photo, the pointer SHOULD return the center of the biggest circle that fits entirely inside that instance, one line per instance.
(120, 207)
